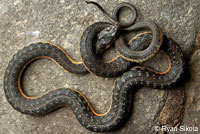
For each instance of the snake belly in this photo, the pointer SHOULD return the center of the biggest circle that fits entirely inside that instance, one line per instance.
(120, 100)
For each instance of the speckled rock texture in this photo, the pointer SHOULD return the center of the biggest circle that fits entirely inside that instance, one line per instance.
(62, 22)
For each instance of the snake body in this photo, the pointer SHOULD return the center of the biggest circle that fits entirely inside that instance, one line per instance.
(150, 51)
(50, 51)
(121, 97)
(86, 115)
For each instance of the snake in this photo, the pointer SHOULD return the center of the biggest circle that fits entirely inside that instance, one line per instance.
(103, 34)
(120, 103)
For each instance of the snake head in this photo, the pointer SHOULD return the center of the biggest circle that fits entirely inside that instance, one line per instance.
(105, 38)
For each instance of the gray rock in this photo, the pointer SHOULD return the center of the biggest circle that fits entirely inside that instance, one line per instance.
(62, 22)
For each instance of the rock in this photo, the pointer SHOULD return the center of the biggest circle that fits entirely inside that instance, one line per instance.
(62, 22)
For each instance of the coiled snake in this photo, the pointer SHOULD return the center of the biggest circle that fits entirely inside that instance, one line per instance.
(86, 115)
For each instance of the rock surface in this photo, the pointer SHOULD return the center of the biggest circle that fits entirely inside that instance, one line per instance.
(62, 22)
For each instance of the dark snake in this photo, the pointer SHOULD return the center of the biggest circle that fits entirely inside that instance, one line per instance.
(120, 63)
(86, 115)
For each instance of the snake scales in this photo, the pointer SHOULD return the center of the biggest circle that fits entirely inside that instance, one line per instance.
(123, 86)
